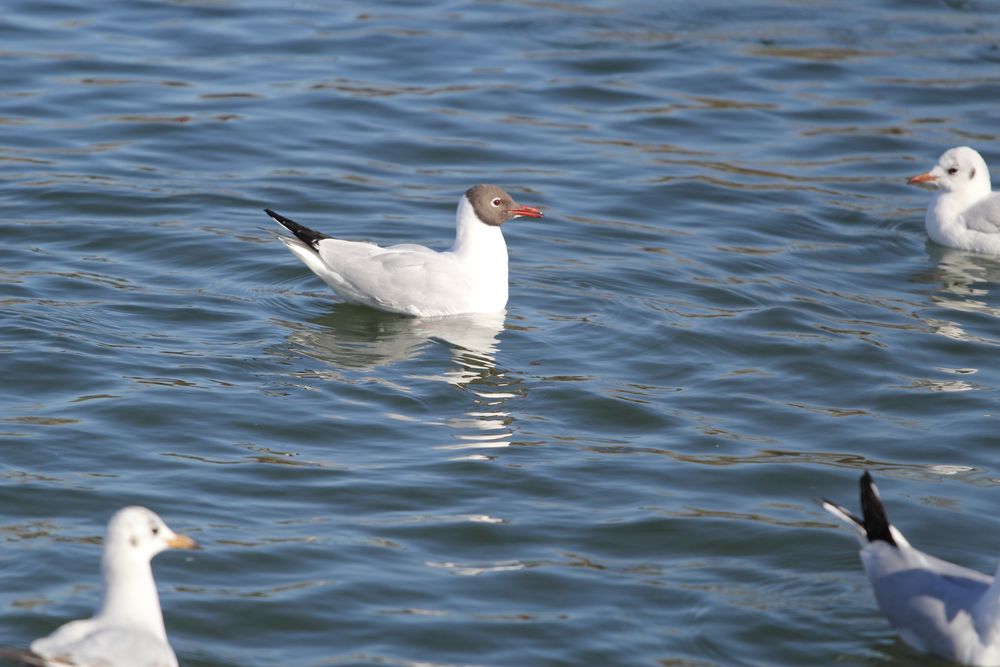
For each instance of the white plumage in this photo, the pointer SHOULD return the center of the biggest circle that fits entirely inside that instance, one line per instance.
(935, 606)
(966, 213)
(470, 277)
(127, 630)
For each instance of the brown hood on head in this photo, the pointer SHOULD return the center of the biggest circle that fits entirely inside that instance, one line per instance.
(494, 206)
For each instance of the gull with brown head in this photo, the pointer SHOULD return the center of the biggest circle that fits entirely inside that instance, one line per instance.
(470, 277)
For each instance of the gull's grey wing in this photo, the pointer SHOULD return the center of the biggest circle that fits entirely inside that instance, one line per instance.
(984, 216)
(930, 611)
(110, 646)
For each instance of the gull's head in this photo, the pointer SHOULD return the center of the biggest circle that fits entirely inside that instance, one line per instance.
(959, 169)
(136, 532)
(493, 206)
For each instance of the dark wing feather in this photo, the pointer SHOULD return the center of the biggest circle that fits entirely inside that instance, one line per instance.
(304, 234)
(876, 520)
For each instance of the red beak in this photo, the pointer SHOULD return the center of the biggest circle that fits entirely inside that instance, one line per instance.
(920, 178)
(527, 211)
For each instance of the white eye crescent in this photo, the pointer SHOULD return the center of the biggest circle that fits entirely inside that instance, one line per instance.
(496, 202)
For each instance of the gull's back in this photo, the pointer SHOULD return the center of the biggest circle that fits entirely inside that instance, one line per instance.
(984, 215)
(932, 604)
(410, 278)
(87, 644)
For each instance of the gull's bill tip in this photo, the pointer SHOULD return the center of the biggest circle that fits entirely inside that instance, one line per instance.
(527, 211)
(182, 542)
(921, 178)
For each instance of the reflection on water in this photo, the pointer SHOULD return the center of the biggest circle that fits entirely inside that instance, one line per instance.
(967, 276)
(965, 282)
(352, 338)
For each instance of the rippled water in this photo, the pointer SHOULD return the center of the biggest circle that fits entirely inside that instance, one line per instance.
(729, 308)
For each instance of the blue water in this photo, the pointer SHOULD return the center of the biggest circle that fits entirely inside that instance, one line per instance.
(731, 307)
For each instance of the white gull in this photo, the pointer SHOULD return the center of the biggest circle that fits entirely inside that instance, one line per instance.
(935, 606)
(127, 630)
(965, 214)
(410, 279)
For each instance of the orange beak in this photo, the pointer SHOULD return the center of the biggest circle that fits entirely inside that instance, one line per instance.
(921, 178)
(182, 542)
(527, 211)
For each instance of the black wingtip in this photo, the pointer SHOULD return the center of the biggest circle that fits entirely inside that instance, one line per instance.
(304, 234)
(876, 520)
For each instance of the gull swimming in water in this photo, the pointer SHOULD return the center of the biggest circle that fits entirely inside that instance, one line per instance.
(935, 606)
(965, 214)
(411, 279)
(127, 629)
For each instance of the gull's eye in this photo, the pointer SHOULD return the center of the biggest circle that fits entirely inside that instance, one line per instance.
(156, 530)
(953, 171)
(496, 202)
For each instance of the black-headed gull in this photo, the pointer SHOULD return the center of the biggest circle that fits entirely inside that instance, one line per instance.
(966, 213)
(127, 629)
(935, 606)
(471, 277)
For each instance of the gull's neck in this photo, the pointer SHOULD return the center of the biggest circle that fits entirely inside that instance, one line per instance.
(476, 240)
(130, 596)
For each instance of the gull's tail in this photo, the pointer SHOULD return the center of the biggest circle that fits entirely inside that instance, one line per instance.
(304, 234)
(875, 524)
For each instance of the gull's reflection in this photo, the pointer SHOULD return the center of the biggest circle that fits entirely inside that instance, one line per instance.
(965, 282)
(966, 275)
(352, 338)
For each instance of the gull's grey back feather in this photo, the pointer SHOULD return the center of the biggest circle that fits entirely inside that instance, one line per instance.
(984, 216)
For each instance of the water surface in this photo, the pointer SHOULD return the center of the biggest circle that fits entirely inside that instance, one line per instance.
(730, 307)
